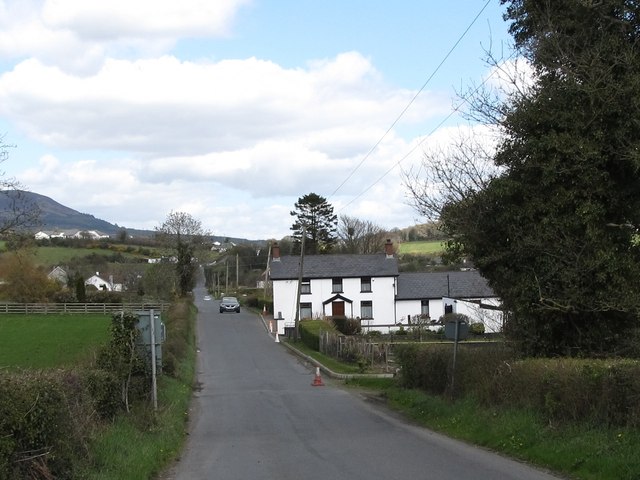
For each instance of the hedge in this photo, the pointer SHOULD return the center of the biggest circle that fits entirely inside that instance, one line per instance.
(602, 392)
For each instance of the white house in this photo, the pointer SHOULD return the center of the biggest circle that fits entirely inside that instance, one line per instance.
(82, 234)
(102, 284)
(353, 285)
(370, 287)
(89, 234)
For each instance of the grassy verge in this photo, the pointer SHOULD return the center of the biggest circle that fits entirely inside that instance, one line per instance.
(143, 443)
(50, 341)
(580, 451)
(329, 362)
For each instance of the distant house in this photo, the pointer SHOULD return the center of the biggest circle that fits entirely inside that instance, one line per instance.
(81, 234)
(102, 284)
(90, 234)
(369, 287)
(48, 234)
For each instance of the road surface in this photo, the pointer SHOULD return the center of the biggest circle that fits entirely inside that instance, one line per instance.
(257, 416)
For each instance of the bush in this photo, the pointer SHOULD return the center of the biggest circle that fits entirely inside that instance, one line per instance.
(603, 392)
(38, 422)
(310, 332)
(346, 326)
(476, 328)
(424, 366)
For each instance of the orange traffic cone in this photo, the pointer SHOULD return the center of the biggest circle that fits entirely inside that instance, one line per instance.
(317, 381)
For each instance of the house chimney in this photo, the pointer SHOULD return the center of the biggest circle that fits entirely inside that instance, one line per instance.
(275, 252)
(388, 248)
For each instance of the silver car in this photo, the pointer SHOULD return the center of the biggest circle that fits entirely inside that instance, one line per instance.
(229, 304)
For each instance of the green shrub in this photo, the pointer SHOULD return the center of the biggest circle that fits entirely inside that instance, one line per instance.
(345, 325)
(428, 367)
(401, 331)
(310, 332)
(105, 390)
(476, 328)
(38, 422)
(127, 361)
(603, 392)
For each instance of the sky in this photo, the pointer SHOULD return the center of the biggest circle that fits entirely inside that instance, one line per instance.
(231, 110)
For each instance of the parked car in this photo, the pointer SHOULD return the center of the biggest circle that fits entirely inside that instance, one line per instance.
(229, 304)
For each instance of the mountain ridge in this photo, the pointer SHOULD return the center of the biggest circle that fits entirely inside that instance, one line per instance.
(56, 216)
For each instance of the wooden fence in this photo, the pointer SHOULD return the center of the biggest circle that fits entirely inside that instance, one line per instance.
(357, 349)
(58, 308)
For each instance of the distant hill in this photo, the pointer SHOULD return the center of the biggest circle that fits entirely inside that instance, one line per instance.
(55, 216)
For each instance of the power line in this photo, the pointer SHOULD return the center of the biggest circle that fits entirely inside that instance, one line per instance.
(411, 101)
(425, 137)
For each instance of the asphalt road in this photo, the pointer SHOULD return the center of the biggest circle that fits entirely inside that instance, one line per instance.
(257, 416)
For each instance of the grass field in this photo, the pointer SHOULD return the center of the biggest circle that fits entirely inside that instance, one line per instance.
(57, 255)
(420, 248)
(50, 341)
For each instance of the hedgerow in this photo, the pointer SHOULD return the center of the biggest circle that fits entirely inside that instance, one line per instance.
(596, 391)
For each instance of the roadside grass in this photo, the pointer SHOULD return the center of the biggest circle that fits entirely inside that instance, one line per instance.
(143, 443)
(327, 361)
(579, 451)
(420, 247)
(50, 341)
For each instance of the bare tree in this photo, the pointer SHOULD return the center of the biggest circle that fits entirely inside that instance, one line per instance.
(450, 174)
(360, 236)
(184, 235)
(17, 212)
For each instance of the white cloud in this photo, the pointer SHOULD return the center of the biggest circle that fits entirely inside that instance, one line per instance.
(77, 35)
(118, 19)
(135, 130)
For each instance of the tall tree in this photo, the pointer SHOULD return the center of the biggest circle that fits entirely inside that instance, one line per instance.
(360, 236)
(314, 214)
(183, 234)
(556, 231)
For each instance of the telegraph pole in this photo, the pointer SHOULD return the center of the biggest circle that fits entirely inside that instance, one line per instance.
(297, 320)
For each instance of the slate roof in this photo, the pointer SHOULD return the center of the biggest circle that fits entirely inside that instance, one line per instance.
(424, 285)
(335, 265)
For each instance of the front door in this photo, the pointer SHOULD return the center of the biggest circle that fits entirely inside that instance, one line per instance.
(337, 308)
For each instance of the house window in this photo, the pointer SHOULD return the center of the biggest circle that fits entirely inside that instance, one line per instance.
(305, 286)
(366, 309)
(336, 285)
(305, 311)
(365, 284)
(424, 307)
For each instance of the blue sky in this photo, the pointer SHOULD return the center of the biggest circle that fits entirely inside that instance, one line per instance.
(231, 110)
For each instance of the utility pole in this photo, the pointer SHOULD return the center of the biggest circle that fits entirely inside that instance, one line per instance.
(297, 320)
(266, 273)
(237, 273)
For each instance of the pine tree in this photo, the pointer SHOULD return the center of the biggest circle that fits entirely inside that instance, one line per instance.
(314, 214)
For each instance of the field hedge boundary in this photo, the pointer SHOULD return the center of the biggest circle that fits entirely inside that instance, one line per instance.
(601, 392)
